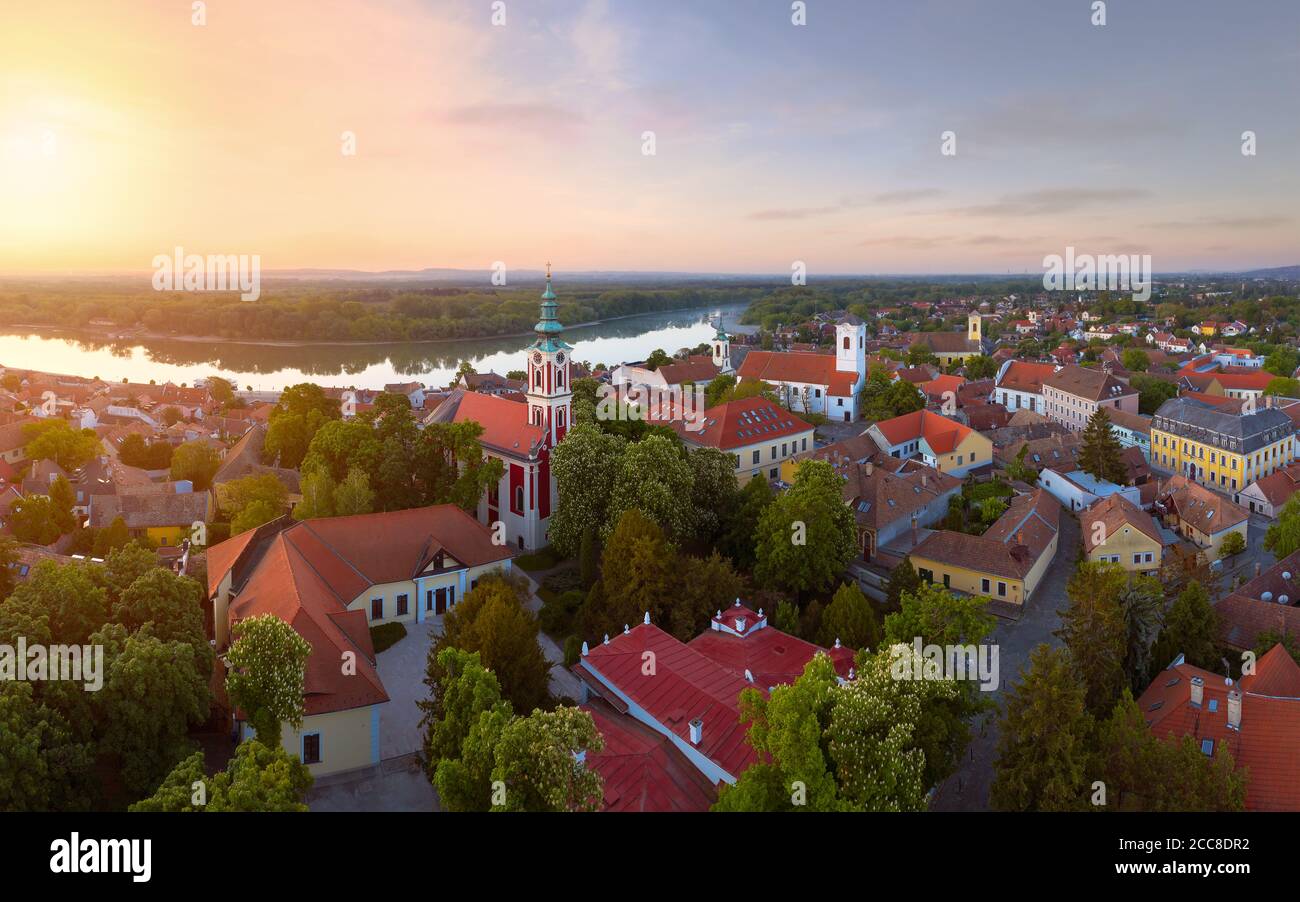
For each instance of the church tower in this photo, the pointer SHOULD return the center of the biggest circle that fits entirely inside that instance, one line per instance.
(550, 397)
(851, 346)
(722, 351)
(973, 323)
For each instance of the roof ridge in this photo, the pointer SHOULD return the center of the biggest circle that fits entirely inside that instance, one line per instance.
(305, 524)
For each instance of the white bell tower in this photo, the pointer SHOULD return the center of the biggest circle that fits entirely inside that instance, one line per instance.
(549, 395)
(722, 351)
(851, 346)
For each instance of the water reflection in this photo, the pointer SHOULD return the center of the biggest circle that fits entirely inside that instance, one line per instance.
(369, 366)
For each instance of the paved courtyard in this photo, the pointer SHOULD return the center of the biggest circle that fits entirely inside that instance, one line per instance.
(401, 667)
(398, 784)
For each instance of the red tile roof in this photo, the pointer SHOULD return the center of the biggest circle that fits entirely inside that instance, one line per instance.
(743, 422)
(812, 369)
(1269, 732)
(505, 423)
(1026, 377)
(939, 432)
(1246, 613)
(308, 573)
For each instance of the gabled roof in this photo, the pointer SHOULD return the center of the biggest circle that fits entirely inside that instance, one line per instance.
(308, 572)
(1089, 384)
(1264, 742)
(505, 423)
(940, 433)
(1115, 513)
(1278, 487)
(1255, 607)
(1208, 511)
(793, 366)
(1009, 548)
(772, 657)
(149, 509)
(1024, 376)
(686, 685)
(641, 769)
(696, 368)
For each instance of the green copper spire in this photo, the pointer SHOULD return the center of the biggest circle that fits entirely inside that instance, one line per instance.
(548, 328)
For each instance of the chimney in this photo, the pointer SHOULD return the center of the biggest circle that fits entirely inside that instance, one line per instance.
(1107, 367)
(697, 731)
(740, 624)
(1234, 709)
(1198, 691)
(1257, 568)
(925, 478)
(870, 467)
(916, 537)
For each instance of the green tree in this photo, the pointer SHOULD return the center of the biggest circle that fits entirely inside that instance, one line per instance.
(153, 692)
(1135, 360)
(62, 499)
(704, 585)
(258, 778)
(1043, 748)
(939, 618)
(317, 497)
(1282, 362)
(1152, 392)
(115, 535)
(658, 357)
(266, 674)
(584, 466)
(254, 515)
(1285, 387)
(196, 461)
(1283, 536)
(588, 557)
(35, 519)
(740, 523)
(1232, 544)
(713, 491)
(654, 478)
(639, 575)
(55, 439)
(919, 354)
(539, 759)
(850, 619)
(1191, 628)
(717, 389)
(42, 766)
(354, 495)
(981, 366)
(1094, 628)
(491, 619)
(466, 690)
(807, 535)
(66, 601)
(1144, 772)
(1101, 451)
(903, 579)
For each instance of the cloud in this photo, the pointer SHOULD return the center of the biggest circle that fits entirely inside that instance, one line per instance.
(1048, 201)
(1225, 222)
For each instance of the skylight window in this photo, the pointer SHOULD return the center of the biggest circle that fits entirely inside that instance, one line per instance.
(1207, 748)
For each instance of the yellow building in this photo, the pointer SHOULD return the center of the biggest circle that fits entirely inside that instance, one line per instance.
(1006, 563)
(760, 436)
(1117, 531)
(1217, 448)
(1198, 514)
(946, 445)
(332, 580)
(164, 518)
(954, 348)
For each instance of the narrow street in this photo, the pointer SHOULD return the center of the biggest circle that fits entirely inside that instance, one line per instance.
(968, 788)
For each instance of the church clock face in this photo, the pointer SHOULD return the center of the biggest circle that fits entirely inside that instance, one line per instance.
(537, 358)
(559, 358)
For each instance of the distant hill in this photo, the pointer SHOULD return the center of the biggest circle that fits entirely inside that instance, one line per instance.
(1284, 273)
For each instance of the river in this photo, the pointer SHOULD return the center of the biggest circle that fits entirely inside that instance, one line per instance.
(268, 368)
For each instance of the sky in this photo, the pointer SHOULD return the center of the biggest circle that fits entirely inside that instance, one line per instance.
(127, 130)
